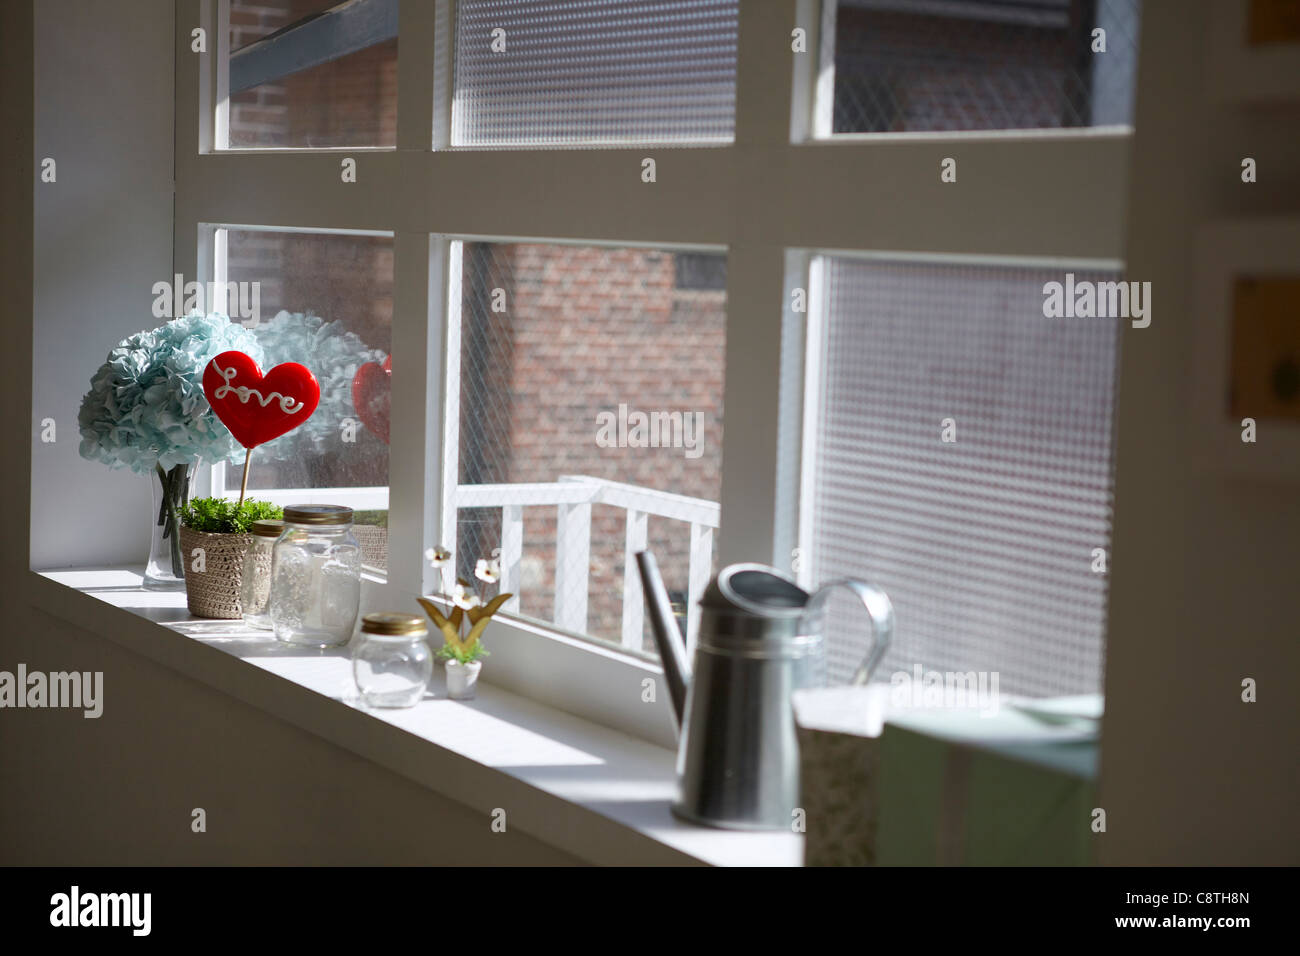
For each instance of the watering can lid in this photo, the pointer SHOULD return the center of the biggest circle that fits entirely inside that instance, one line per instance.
(757, 590)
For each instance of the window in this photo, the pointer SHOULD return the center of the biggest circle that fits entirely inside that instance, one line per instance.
(312, 73)
(701, 273)
(961, 460)
(590, 393)
(983, 64)
(324, 300)
(534, 290)
(552, 72)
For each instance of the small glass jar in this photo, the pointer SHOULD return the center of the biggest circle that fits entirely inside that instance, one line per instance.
(391, 661)
(315, 577)
(255, 580)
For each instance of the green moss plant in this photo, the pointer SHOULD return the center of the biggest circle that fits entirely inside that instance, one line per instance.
(222, 516)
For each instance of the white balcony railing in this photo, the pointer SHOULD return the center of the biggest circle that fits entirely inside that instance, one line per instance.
(572, 497)
(223, 481)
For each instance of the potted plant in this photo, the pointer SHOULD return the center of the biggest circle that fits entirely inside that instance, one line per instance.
(470, 614)
(214, 535)
(146, 411)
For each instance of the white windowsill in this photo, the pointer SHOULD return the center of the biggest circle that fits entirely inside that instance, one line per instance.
(596, 793)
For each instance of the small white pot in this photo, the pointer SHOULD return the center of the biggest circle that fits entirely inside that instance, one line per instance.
(462, 678)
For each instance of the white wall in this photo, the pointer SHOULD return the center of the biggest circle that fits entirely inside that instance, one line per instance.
(103, 237)
(1206, 567)
(120, 790)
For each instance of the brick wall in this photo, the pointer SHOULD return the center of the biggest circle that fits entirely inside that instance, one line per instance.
(587, 329)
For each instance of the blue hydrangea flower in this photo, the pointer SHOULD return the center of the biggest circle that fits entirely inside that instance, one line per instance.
(146, 405)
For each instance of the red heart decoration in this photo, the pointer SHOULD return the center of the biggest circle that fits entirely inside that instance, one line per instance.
(372, 396)
(257, 407)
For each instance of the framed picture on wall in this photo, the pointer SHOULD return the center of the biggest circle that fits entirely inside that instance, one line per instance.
(1245, 399)
(1254, 51)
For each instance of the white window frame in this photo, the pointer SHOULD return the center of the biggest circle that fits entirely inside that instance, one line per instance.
(772, 193)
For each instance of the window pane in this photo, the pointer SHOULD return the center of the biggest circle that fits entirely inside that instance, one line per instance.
(325, 301)
(590, 397)
(602, 71)
(983, 64)
(313, 73)
(985, 543)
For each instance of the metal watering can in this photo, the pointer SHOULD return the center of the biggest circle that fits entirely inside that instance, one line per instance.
(761, 637)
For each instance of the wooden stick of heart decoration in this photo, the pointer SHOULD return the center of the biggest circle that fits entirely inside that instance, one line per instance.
(243, 485)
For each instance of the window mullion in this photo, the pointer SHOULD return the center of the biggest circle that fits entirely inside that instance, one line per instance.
(413, 481)
(755, 286)
(219, 108)
(763, 72)
(415, 75)
(415, 409)
(447, 473)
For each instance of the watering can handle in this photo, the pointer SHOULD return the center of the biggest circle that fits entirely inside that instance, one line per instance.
(879, 609)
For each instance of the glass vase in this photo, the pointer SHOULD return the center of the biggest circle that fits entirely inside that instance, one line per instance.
(171, 493)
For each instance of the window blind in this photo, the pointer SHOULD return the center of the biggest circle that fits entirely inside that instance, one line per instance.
(984, 544)
(581, 72)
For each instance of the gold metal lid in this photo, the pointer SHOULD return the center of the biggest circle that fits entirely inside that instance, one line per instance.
(267, 527)
(386, 622)
(317, 514)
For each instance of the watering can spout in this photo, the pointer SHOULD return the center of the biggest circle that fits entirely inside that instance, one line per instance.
(672, 649)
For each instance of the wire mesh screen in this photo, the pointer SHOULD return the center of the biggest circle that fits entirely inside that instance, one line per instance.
(565, 351)
(983, 64)
(963, 464)
(556, 72)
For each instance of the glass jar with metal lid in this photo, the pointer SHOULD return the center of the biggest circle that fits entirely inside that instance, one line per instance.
(255, 581)
(315, 577)
(391, 662)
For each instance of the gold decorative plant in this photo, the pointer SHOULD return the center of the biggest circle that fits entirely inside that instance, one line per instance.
(463, 628)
